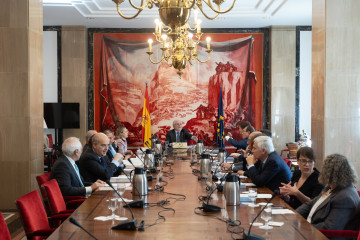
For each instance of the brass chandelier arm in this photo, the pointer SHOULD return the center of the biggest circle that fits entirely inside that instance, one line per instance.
(123, 16)
(210, 18)
(208, 58)
(155, 62)
(208, 2)
(142, 6)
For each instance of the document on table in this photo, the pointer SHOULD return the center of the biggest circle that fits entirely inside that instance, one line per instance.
(135, 161)
(108, 188)
(248, 184)
(282, 211)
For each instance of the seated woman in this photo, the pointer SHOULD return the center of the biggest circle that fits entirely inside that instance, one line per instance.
(335, 208)
(304, 184)
(121, 142)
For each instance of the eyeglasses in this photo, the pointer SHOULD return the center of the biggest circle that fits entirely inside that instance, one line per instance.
(305, 161)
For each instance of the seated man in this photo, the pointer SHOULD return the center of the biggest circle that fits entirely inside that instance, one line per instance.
(112, 150)
(95, 164)
(245, 130)
(178, 134)
(66, 172)
(273, 170)
(88, 136)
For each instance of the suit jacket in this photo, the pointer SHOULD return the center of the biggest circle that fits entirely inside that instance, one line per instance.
(184, 136)
(272, 174)
(338, 212)
(67, 178)
(91, 169)
(242, 144)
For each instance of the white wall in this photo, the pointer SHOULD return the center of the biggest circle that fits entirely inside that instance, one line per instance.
(50, 71)
(305, 82)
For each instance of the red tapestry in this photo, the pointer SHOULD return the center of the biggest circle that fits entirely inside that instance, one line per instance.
(122, 69)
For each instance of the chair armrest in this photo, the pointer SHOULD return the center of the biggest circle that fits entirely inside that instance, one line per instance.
(73, 204)
(339, 233)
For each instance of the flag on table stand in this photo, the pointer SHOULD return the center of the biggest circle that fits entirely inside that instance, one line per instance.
(220, 123)
(146, 121)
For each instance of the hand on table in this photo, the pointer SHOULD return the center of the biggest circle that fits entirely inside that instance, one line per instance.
(97, 184)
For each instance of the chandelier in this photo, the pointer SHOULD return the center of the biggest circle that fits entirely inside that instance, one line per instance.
(179, 41)
(179, 46)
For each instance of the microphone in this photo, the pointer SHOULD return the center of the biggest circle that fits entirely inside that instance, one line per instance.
(208, 147)
(248, 235)
(208, 207)
(138, 203)
(140, 159)
(73, 221)
(127, 224)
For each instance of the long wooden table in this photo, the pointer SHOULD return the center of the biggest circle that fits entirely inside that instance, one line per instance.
(184, 223)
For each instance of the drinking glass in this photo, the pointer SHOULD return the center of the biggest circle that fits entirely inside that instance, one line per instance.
(121, 188)
(112, 205)
(219, 175)
(266, 216)
(252, 195)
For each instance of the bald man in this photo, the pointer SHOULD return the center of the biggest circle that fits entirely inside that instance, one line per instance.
(178, 134)
(88, 136)
(94, 164)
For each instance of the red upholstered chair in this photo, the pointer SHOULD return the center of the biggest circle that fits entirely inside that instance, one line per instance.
(41, 179)
(288, 162)
(33, 216)
(4, 231)
(340, 233)
(54, 197)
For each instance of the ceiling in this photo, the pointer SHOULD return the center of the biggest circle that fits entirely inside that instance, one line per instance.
(245, 14)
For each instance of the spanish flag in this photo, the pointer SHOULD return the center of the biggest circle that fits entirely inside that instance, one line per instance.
(146, 121)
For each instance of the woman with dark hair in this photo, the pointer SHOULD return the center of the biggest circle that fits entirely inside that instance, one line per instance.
(336, 207)
(304, 184)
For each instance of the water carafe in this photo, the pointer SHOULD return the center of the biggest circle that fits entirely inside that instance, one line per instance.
(199, 148)
(232, 189)
(139, 182)
(205, 165)
(149, 159)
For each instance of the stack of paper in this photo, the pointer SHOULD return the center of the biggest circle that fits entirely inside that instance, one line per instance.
(119, 179)
(135, 161)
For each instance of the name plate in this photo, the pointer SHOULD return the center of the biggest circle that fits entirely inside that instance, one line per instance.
(179, 145)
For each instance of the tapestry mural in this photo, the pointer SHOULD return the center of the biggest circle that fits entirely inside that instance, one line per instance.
(122, 69)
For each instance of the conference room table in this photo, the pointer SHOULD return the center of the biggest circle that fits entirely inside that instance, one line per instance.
(182, 223)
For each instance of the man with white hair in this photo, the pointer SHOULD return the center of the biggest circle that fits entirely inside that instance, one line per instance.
(273, 170)
(67, 174)
(178, 134)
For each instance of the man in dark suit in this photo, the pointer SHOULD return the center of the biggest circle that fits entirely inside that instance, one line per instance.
(112, 148)
(88, 137)
(66, 172)
(95, 164)
(245, 129)
(273, 170)
(178, 134)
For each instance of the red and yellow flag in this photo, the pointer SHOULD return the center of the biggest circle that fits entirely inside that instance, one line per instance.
(146, 121)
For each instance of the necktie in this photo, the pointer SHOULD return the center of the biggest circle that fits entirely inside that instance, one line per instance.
(78, 174)
(112, 150)
(102, 163)
(177, 137)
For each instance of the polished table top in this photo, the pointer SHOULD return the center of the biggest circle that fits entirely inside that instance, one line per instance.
(184, 223)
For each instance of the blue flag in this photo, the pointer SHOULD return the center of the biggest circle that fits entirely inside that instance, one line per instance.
(220, 123)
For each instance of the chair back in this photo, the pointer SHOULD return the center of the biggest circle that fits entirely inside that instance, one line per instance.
(288, 162)
(54, 197)
(32, 213)
(41, 179)
(4, 231)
